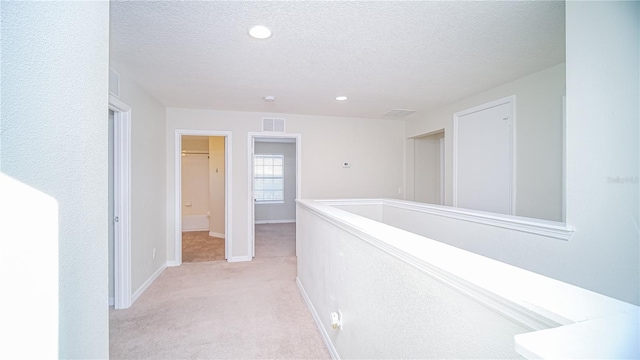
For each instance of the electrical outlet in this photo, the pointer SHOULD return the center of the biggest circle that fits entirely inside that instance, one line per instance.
(154, 253)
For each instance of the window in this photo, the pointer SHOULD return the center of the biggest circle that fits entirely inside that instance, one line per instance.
(268, 178)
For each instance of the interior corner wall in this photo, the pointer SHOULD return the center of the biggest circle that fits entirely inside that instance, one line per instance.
(148, 205)
(286, 211)
(374, 147)
(55, 60)
(538, 139)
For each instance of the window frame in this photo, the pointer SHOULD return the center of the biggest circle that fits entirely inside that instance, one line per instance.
(268, 201)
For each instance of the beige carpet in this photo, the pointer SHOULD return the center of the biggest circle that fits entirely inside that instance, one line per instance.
(198, 246)
(220, 310)
(273, 240)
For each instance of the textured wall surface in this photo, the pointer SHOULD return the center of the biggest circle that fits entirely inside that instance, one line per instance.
(54, 138)
(391, 310)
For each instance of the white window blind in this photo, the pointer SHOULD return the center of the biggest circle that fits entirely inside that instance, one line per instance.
(268, 178)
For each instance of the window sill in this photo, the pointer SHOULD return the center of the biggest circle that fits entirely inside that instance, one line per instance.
(269, 202)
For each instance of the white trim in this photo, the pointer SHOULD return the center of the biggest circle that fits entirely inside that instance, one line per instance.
(148, 283)
(111, 301)
(122, 197)
(262, 222)
(564, 158)
(251, 136)
(512, 156)
(194, 230)
(172, 263)
(552, 229)
(442, 169)
(216, 234)
(240, 258)
(325, 336)
(228, 243)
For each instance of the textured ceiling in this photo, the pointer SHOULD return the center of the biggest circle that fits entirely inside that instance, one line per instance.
(382, 55)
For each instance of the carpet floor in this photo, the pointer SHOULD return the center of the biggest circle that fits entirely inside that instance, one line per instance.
(221, 310)
(198, 246)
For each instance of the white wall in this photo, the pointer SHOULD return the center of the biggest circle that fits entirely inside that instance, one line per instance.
(287, 210)
(538, 139)
(195, 185)
(374, 148)
(147, 180)
(55, 59)
(603, 117)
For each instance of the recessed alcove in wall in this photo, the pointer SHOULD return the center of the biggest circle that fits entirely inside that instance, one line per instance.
(428, 159)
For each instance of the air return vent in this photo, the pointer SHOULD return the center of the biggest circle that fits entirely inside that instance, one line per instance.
(114, 83)
(273, 125)
(398, 113)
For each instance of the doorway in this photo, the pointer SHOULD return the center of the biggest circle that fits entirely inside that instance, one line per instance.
(208, 211)
(274, 185)
(203, 198)
(429, 168)
(119, 179)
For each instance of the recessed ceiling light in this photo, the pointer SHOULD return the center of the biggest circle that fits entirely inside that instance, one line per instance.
(341, 98)
(269, 98)
(260, 32)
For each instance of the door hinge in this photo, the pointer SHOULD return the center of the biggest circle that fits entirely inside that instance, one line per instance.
(116, 219)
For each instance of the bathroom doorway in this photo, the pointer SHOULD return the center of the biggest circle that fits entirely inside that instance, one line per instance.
(203, 198)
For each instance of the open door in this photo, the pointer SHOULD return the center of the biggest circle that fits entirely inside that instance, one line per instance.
(274, 180)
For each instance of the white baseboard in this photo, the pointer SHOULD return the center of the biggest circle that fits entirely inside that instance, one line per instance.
(197, 229)
(289, 221)
(112, 302)
(240, 258)
(327, 340)
(147, 283)
(215, 234)
(173, 263)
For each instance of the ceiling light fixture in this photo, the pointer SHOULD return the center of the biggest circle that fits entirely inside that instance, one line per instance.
(269, 98)
(341, 98)
(260, 32)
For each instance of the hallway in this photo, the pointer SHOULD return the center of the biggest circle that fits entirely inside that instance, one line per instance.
(223, 310)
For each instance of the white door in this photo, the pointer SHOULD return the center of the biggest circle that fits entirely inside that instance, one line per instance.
(483, 160)
(111, 217)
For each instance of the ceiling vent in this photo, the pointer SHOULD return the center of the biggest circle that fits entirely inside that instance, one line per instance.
(398, 113)
(273, 125)
(114, 83)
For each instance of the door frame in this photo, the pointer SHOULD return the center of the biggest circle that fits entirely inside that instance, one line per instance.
(505, 100)
(122, 202)
(251, 136)
(178, 190)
